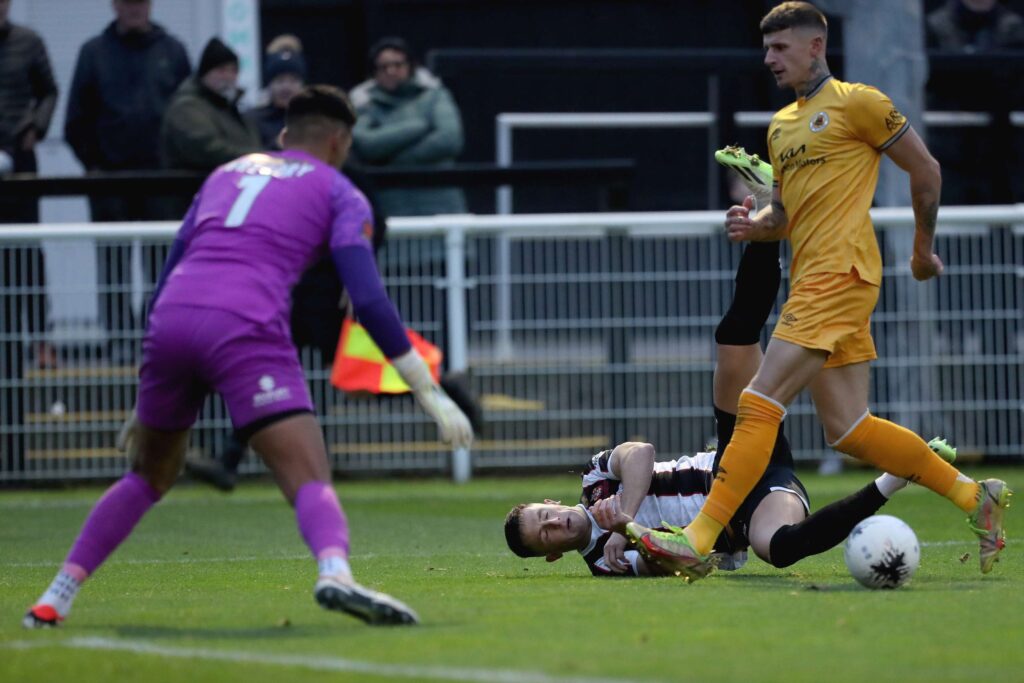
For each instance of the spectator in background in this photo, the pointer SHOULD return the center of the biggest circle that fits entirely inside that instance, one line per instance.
(315, 299)
(28, 95)
(203, 127)
(284, 74)
(124, 79)
(407, 118)
(975, 26)
(319, 305)
(975, 164)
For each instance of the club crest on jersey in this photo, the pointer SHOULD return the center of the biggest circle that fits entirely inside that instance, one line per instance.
(368, 231)
(819, 122)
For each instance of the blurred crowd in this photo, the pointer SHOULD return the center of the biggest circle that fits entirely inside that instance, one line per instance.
(137, 104)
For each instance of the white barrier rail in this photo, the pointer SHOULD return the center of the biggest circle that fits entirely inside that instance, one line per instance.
(610, 321)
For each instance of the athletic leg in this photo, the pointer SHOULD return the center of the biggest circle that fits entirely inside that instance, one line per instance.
(293, 448)
(895, 449)
(785, 370)
(739, 332)
(841, 399)
(828, 527)
(156, 461)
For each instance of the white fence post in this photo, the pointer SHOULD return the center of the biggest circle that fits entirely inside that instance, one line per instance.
(458, 330)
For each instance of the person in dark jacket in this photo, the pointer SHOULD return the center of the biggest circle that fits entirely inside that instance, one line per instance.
(974, 26)
(28, 95)
(978, 164)
(203, 127)
(124, 79)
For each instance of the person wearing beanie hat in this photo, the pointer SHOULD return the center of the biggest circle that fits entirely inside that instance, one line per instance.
(203, 127)
(285, 62)
(284, 74)
(216, 55)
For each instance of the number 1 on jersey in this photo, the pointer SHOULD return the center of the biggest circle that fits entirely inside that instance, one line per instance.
(251, 186)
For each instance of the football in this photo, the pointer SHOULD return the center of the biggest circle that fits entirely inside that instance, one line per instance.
(882, 552)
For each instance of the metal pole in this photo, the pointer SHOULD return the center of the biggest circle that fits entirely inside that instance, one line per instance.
(503, 249)
(455, 265)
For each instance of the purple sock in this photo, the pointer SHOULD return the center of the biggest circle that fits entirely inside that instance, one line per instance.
(111, 520)
(321, 520)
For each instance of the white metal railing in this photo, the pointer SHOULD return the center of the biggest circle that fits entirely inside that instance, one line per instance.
(610, 327)
(507, 123)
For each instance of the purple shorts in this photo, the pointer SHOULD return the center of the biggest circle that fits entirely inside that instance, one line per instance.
(189, 352)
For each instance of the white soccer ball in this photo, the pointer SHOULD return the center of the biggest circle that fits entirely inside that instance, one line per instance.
(882, 552)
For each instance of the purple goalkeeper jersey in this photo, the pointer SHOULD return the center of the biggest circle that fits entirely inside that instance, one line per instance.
(256, 225)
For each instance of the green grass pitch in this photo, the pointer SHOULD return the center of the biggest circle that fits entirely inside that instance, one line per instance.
(217, 587)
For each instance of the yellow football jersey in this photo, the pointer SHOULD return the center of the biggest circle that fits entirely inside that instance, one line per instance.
(825, 149)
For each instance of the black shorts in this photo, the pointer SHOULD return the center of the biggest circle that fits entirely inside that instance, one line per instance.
(776, 478)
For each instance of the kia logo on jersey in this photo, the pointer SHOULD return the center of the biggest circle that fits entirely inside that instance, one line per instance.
(790, 153)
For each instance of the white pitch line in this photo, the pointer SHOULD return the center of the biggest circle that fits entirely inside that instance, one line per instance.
(244, 558)
(311, 661)
(174, 560)
(932, 544)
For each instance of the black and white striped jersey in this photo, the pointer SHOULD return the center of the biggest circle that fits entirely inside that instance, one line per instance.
(677, 492)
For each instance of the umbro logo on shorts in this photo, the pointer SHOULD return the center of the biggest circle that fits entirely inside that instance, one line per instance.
(788, 319)
(269, 392)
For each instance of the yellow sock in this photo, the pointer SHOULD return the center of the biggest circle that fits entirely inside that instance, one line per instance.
(742, 464)
(703, 527)
(903, 453)
(964, 493)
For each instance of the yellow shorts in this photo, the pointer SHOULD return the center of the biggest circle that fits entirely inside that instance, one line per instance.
(831, 312)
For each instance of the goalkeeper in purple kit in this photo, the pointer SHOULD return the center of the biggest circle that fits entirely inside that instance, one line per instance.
(219, 323)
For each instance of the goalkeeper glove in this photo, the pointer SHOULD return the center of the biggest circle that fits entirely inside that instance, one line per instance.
(452, 424)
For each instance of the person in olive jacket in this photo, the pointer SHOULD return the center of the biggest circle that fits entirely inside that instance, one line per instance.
(203, 127)
(407, 118)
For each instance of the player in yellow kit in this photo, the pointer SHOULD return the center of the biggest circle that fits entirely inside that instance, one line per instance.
(825, 149)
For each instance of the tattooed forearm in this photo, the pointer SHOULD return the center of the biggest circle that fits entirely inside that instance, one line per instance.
(927, 214)
(771, 223)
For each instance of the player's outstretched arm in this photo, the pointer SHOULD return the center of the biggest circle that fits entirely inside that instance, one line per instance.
(358, 272)
(452, 424)
(911, 154)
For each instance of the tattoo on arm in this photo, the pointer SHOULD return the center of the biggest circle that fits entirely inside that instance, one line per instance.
(776, 216)
(929, 214)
